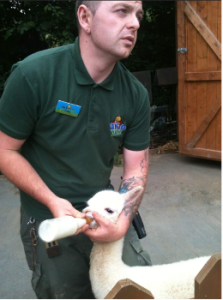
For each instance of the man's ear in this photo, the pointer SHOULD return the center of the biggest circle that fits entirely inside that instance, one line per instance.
(133, 194)
(84, 16)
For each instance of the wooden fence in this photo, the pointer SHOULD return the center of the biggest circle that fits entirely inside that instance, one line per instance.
(207, 284)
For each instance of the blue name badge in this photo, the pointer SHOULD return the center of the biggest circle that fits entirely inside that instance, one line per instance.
(68, 109)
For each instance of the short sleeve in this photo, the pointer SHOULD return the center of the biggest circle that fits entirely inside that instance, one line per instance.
(18, 106)
(137, 135)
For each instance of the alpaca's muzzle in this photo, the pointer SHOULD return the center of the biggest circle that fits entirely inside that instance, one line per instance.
(90, 220)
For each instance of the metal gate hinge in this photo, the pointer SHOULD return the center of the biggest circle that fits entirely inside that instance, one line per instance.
(182, 50)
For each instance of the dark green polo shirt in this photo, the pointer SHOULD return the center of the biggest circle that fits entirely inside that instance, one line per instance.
(73, 155)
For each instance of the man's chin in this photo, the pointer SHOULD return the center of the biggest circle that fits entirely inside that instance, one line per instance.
(125, 54)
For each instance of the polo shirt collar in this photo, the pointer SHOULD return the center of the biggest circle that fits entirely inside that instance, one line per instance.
(82, 75)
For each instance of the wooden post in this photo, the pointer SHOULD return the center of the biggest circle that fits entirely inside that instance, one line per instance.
(208, 280)
(127, 289)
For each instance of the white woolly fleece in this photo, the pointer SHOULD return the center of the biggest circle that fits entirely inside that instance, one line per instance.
(170, 281)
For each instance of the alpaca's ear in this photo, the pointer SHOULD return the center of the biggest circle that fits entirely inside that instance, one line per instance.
(133, 194)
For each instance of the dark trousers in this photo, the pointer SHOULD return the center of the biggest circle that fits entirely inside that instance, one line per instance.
(67, 276)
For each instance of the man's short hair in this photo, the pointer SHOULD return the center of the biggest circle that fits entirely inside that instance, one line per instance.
(92, 5)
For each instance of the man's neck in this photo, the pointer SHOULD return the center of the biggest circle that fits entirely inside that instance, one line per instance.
(98, 66)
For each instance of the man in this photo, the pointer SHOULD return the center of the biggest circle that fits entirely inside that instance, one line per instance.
(63, 115)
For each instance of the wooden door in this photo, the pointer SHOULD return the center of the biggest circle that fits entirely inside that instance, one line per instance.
(199, 78)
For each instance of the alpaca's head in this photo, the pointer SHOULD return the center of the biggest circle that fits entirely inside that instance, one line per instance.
(110, 204)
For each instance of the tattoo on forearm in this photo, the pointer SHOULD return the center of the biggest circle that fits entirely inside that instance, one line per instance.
(131, 208)
(144, 163)
(128, 184)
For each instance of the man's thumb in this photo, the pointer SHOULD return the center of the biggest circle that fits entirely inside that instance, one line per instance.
(97, 217)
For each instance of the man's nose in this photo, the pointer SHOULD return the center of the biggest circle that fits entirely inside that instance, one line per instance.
(133, 22)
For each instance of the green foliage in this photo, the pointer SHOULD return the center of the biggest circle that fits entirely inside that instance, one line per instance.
(30, 26)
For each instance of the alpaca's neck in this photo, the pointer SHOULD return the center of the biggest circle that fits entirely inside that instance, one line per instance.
(106, 267)
(108, 252)
(108, 255)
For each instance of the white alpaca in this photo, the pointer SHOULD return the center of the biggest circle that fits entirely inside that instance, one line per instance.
(170, 281)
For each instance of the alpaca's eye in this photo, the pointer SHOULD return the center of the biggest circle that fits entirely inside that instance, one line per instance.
(109, 210)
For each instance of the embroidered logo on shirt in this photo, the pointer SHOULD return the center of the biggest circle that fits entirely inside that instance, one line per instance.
(117, 126)
(68, 109)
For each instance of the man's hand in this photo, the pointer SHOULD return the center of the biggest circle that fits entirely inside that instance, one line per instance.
(135, 174)
(107, 230)
(60, 207)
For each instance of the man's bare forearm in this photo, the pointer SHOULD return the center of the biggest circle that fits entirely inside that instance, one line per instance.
(19, 171)
(130, 182)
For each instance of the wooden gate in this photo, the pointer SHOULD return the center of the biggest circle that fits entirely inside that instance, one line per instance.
(199, 78)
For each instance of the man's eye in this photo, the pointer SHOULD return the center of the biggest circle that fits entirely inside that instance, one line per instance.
(122, 10)
(139, 18)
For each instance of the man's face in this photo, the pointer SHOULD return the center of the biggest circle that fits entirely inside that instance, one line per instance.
(114, 27)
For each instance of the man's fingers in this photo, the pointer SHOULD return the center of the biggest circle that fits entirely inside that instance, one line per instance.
(98, 218)
(78, 214)
(82, 229)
